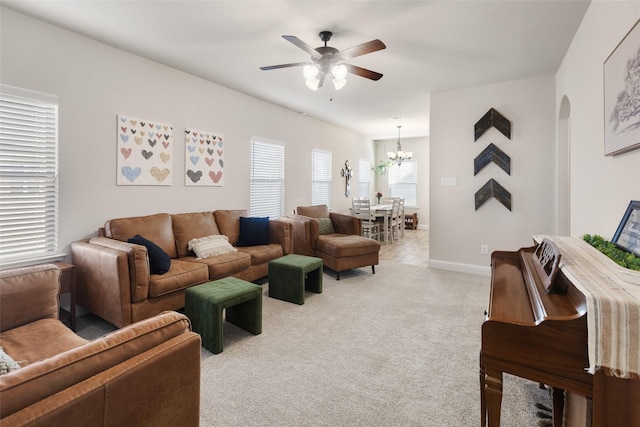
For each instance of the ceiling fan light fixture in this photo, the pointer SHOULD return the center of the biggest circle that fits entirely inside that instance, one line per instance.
(313, 83)
(339, 71)
(310, 72)
(339, 83)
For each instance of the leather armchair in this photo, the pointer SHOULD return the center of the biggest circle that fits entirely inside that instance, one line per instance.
(344, 249)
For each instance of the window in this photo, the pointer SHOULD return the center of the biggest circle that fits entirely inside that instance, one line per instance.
(28, 177)
(364, 175)
(267, 178)
(403, 181)
(321, 177)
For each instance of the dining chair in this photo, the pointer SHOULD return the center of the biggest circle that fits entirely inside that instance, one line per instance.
(401, 218)
(392, 221)
(361, 208)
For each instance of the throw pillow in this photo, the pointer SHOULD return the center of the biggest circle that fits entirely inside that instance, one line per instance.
(325, 225)
(205, 247)
(7, 364)
(159, 260)
(253, 231)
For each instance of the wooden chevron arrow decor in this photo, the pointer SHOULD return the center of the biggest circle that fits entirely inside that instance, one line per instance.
(492, 119)
(492, 154)
(493, 189)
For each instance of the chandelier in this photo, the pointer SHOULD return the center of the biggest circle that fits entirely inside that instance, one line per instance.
(398, 156)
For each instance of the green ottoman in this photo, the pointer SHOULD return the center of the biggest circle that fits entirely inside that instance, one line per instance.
(204, 305)
(290, 275)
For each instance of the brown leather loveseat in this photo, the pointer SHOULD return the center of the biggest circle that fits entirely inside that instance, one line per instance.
(146, 374)
(114, 277)
(334, 237)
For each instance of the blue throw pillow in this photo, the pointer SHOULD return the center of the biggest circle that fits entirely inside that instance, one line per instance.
(159, 260)
(253, 231)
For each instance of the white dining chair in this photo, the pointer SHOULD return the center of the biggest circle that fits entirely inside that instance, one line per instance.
(361, 208)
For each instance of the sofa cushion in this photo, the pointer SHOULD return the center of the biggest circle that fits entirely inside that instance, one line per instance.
(19, 342)
(263, 253)
(253, 231)
(205, 247)
(229, 223)
(156, 227)
(159, 260)
(189, 226)
(225, 265)
(181, 275)
(318, 211)
(346, 245)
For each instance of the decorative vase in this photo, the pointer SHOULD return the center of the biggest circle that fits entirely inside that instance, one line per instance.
(378, 197)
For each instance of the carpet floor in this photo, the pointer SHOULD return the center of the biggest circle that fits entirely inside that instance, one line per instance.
(397, 348)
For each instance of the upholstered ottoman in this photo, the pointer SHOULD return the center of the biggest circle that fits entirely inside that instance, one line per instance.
(291, 275)
(204, 305)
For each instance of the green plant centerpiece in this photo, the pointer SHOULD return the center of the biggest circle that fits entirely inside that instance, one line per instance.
(619, 256)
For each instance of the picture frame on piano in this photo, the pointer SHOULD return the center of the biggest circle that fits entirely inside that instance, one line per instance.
(627, 235)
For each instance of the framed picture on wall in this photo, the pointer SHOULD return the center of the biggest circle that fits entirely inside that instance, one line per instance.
(627, 235)
(622, 95)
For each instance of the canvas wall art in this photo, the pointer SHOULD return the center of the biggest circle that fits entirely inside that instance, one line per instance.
(144, 152)
(622, 95)
(204, 158)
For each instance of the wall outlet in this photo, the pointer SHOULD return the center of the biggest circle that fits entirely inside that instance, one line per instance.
(484, 249)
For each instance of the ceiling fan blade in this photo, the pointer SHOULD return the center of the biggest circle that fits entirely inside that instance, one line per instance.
(293, 64)
(361, 49)
(302, 45)
(363, 72)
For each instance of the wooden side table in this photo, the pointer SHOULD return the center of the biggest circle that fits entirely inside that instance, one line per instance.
(68, 285)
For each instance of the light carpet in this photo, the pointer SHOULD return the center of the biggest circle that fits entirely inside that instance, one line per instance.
(398, 348)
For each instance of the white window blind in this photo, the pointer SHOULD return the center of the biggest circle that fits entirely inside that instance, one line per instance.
(267, 178)
(321, 177)
(403, 181)
(364, 177)
(28, 176)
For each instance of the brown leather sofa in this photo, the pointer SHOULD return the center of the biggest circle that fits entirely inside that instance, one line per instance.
(114, 278)
(340, 245)
(147, 374)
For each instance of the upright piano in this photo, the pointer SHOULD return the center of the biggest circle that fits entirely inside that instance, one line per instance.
(536, 327)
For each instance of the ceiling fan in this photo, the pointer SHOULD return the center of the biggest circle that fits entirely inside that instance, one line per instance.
(326, 60)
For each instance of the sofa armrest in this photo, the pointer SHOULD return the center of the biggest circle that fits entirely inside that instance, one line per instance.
(280, 233)
(160, 387)
(345, 224)
(37, 381)
(304, 234)
(112, 276)
(28, 294)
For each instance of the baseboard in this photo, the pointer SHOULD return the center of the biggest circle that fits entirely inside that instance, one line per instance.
(460, 267)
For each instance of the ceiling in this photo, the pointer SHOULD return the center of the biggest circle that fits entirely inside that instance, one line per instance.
(431, 46)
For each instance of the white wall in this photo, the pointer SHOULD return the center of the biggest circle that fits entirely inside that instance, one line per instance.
(600, 187)
(456, 229)
(94, 82)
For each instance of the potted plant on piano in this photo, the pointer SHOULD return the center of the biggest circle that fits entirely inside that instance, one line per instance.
(624, 248)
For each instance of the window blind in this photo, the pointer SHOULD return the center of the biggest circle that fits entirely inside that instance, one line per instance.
(321, 177)
(267, 178)
(364, 177)
(403, 181)
(28, 175)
